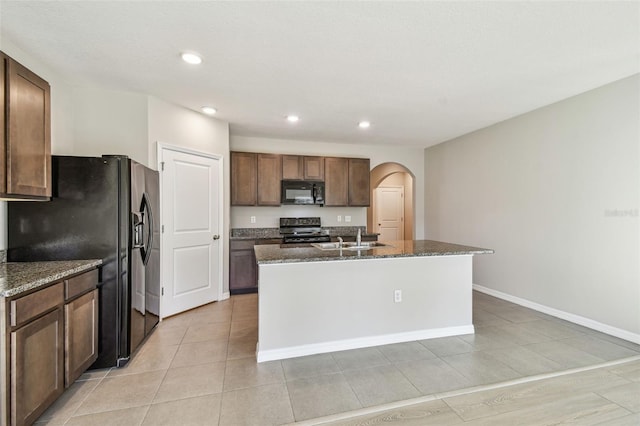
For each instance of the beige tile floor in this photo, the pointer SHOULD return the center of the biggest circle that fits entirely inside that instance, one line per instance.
(199, 368)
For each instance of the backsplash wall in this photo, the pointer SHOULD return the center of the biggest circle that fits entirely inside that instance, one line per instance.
(268, 217)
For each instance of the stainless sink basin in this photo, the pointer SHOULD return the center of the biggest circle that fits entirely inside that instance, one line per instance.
(365, 245)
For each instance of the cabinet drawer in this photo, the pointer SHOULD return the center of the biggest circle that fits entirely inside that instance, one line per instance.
(242, 244)
(28, 307)
(80, 284)
(269, 241)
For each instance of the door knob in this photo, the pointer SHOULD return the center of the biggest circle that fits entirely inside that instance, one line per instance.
(216, 237)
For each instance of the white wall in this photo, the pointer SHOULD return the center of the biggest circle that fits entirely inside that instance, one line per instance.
(61, 97)
(411, 158)
(178, 126)
(543, 190)
(61, 112)
(110, 122)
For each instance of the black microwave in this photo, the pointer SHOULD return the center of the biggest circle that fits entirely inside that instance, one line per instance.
(302, 192)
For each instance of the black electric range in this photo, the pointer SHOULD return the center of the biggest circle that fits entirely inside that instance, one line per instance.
(301, 230)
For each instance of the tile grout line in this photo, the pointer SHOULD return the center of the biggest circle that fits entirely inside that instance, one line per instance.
(459, 392)
(83, 399)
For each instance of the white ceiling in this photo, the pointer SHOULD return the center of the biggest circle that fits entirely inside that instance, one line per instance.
(421, 72)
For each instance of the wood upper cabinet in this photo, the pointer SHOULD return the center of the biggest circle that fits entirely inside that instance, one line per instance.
(346, 182)
(292, 167)
(336, 181)
(256, 178)
(25, 154)
(359, 185)
(244, 178)
(298, 167)
(269, 177)
(313, 168)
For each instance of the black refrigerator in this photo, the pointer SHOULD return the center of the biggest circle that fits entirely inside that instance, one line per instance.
(101, 208)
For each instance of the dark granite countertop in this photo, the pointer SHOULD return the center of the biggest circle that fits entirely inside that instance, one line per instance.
(275, 253)
(19, 277)
(255, 233)
(271, 233)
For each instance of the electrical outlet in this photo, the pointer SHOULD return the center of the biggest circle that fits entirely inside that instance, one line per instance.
(253, 219)
(397, 296)
(339, 218)
(347, 218)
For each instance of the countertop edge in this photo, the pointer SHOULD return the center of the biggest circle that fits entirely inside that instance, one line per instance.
(48, 279)
(373, 255)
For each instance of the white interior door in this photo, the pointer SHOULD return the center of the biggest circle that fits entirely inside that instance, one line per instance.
(389, 210)
(191, 200)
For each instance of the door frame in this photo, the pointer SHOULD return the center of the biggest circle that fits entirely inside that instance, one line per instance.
(376, 204)
(380, 173)
(161, 146)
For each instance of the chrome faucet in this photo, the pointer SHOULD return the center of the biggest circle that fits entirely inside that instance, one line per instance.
(359, 238)
(340, 242)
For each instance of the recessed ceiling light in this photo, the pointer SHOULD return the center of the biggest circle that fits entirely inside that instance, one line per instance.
(209, 110)
(292, 118)
(191, 58)
(364, 124)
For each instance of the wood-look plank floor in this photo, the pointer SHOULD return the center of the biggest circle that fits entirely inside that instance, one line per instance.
(602, 396)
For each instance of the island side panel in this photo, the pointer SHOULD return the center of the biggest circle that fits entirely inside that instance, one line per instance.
(317, 307)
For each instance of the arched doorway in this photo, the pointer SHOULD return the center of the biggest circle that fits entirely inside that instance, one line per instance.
(392, 200)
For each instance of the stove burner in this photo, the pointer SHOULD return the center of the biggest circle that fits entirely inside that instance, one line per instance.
(296, 230)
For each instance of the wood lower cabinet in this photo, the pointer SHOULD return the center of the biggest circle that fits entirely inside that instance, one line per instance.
(52, 337)
(243, 270)
(242, 267)
(25, 150)
(269, 177)
(336, 182)
(244, 178)
(81, 335)
(36, 355)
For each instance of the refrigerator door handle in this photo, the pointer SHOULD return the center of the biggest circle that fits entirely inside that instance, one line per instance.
(138, 230)
(146, 250)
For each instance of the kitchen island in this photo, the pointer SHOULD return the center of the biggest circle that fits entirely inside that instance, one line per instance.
(315, 301)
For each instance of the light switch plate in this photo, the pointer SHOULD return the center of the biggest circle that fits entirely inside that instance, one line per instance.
(253, 219)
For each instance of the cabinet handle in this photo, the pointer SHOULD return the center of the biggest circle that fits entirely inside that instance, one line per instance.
(216, 237)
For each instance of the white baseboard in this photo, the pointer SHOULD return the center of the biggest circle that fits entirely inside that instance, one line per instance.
(577, 319)
(225, 295)
(361, 342)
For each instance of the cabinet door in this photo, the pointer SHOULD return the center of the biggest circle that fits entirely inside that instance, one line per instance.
(243, 179)
(359, 176)
(292, 167)
(36, 367)
(242, 271)
(269, 177)
(336, 181)
(28, 143)
(313, 168)
(81, 335)
(3, 133)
